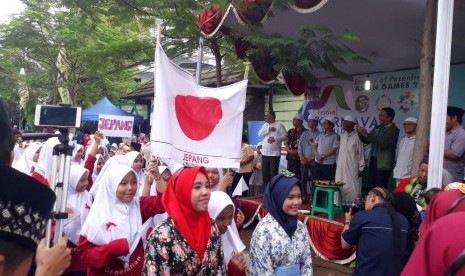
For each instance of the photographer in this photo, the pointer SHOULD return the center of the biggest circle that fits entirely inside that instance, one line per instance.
(380, 234)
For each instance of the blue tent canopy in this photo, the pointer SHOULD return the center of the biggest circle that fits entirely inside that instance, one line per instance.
(104, 106)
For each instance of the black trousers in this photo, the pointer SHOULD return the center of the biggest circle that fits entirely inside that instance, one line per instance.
(377, 178)
(325, 171)
(270, 167)
(307, 172)
(293, 165)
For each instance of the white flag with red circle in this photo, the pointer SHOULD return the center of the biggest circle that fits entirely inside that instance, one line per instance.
(195, 124)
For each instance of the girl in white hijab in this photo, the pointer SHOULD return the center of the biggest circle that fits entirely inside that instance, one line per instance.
(135, 160)
(28, 160)
(115, 160)
(78, 153)
(78, 205)
(221, 209)
(101, 148)
(43, 170)
(218, 182)
(112, 236)
(98, 165)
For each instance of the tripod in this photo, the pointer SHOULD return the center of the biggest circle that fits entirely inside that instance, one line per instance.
(59, 184)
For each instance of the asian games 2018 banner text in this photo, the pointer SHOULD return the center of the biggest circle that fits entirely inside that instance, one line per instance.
(338, 98)
(195, 124)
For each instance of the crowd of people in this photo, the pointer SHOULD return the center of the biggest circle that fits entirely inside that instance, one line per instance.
(132, 213)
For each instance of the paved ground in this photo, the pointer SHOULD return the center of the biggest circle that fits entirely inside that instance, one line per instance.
(320, 267)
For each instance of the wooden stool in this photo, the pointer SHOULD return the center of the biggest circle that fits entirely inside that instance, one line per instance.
(327, 205)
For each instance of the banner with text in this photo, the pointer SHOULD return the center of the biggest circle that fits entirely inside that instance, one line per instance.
(115, 126)
(338, 98)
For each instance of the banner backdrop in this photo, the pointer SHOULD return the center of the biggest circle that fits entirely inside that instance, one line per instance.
(115, 126)
(338, 98)
(254, 127)
(195, 124)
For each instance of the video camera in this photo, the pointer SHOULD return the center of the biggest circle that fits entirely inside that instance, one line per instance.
(357, 205)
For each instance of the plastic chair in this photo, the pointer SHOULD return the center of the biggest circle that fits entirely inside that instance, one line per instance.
(327, 203)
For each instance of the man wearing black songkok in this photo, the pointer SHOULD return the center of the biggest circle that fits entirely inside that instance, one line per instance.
(25, 207)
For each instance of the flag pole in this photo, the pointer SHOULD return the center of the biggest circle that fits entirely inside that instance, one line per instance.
(158, 33)
(199, 60)
(246, 71)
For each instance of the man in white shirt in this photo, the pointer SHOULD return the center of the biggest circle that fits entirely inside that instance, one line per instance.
(403, 168)
(350, 161)
(273, 134)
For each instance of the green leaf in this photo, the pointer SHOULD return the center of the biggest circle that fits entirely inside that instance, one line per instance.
(350, 36)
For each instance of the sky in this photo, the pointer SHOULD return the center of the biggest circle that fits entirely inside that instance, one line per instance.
(9, 7)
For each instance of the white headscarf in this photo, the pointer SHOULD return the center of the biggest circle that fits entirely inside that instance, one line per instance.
(129, 159)
(44, 164)
(231, 241)
(220, 177)
(102, 145)
(95, 173)
(115, 160)
(77, 202)
(26, 163)
(77, 147)
(110, 218)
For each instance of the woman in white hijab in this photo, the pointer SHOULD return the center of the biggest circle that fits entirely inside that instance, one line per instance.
(221, 209)
(28, 160)
(78, 205)
(112, 236)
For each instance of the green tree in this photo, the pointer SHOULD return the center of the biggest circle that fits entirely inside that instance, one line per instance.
(101, 57)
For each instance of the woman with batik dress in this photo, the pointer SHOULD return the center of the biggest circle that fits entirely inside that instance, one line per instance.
(280, 244)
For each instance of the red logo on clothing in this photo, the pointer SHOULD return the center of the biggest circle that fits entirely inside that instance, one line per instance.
(110, 224)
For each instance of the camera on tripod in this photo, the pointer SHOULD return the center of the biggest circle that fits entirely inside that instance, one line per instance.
(357, 205)
(60, 116)
(63, 117)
